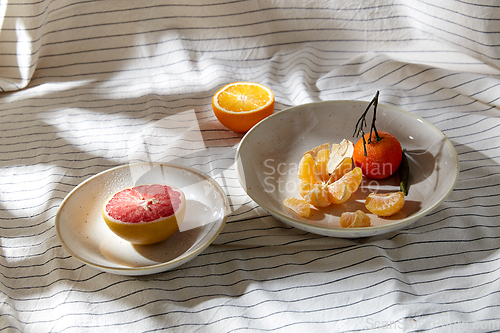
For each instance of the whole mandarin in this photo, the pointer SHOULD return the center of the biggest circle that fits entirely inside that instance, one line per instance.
(382, 157)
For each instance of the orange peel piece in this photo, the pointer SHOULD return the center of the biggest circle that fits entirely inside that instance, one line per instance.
(338, 153)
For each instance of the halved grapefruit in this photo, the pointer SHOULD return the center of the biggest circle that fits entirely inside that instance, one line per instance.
(145, 214)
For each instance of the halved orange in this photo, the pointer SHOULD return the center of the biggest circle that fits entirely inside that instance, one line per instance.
(355, 219)
(385, 204)
(241, 105)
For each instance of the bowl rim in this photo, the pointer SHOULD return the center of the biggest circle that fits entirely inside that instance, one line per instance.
(365, 230)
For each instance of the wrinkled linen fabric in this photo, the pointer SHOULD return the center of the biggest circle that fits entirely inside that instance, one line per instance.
(81, 80)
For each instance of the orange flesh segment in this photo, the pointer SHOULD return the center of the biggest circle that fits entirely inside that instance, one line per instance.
(356, 219)
(299, 206)
(307, 170)
(321, 164)
(315, 183)
(352, 179)
(241, 105)
(342, 189)
(385, 204)
(339, 193)
(314, 152)
(344, 167)
(318, 196)
(243, 98)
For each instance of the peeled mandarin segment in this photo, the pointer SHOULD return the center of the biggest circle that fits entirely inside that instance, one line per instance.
(338, 193)
(321, 164)
(314, 152)
(341, 190)
(354, 219)
(318, 196)
(320, 188)
(304, 188)
(352, 179)
(385, 204)
(315, 194)
(307, 170)
(299, 206)
(320, 155)
(338, 153)
(343, 168)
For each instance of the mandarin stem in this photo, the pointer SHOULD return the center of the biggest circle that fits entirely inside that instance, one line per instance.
(373, 128)
(362, 123)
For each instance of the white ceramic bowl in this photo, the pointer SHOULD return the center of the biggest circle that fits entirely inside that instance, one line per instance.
(268, 156)
(83, 233)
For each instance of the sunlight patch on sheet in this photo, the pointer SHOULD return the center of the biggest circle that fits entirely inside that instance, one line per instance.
(23, 48)
(170, 139)
(114, 136)
(3, 9)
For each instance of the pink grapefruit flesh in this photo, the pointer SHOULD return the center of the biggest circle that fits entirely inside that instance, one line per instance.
(145, 214)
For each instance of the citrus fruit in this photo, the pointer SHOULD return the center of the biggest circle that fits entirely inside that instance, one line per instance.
(299, 206)
(341, 190)
(241, 105)
(307, 170)
(338, 193)
(319, 163)
(355, 219)
(344, 167)
(325, 177)
(145, 214)
(339, 154)
(383, 155)
(385, 204)
(352, 179)
(320, 168)
(316, 194)
(311, 185)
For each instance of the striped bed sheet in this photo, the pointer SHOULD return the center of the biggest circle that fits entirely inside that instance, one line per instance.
(79, 79)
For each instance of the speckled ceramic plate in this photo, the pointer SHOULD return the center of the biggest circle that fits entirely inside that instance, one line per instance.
(83, 232)
(268, 156)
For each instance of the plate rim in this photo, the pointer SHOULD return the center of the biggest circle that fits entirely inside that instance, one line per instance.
(150, 269)
(348, 232)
